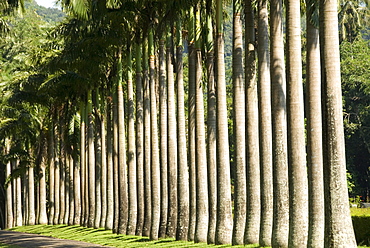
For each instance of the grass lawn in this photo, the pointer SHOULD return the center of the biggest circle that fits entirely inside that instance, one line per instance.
(360, 211)
(106, 237)
(8, 246)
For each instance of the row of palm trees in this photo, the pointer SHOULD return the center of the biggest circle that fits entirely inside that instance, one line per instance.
(150, 155)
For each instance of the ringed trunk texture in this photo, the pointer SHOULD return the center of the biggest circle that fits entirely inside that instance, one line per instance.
(139, 144)
(338, 225)
(183, 175)
(163, 140)
(279, 128)
(172, 148)
(155, 159)
(316, 224)
(298, 185)
(224, 223)
(131, 160)
(252, 229)
(240, 190)
(265, 130)
(211, 130)
(201, 228)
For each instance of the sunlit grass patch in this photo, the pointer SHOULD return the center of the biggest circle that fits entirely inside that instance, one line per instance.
(360, 211)
(107, 238)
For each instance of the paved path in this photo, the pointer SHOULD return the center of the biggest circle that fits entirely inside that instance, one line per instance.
(34, 240)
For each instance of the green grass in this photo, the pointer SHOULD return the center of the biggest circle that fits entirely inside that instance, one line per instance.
(360, 211)
(106, 237)
(8, 246)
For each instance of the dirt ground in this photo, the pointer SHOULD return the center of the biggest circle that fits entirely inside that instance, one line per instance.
(34, 240)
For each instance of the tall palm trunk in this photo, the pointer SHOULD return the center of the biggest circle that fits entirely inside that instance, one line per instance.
(211, 129)
(139, 143)
(147, 145)
(191, 127)
(240, 192)
(298, 188)
(132, 170)
(279, 129)
(61, 158)
(201, 229)
(91, 160)
(155, 164)
(163, 139)
(265, 131)
(98, 160)
(31, 197)
(110, 170)
(183, 175)
(51, 175)
(57, 186)
(104, 160)
(42, 209)
(71, 190)
(253, 156)
(338, 225)
(122, 177)
(18, 216)
(84, 207)
(9, 191)
(115, 155)
(314, 134)
(77, 188)
(224, 213)
(172, 144)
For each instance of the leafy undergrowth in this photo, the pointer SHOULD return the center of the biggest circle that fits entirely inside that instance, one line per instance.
(107, 238)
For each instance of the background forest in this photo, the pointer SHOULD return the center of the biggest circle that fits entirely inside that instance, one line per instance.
(40, 41)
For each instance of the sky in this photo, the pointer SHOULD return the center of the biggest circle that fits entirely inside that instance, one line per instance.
(46, 3)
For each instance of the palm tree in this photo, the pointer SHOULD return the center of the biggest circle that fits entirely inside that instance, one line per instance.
(147, 145)
(84, 193)
(122, 176)
(279, 129)
(316, 223)
(265, 130)
(163, 137)
(172, 143)
(98, 160)
(104, 164)
(155, 164)
(51, 175)
(18, 216)
(338, 225)
(191, 126)
(211, 127)
(201, 228)
(77, 188)
(298, 188)
(91, 160)
(183, 175)
(9, 190)
(224, 213)
(57, 176)
(240, 192)
(31, 197)
(110, 170)
(253, 162)
(132, 170)
(139, 142)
